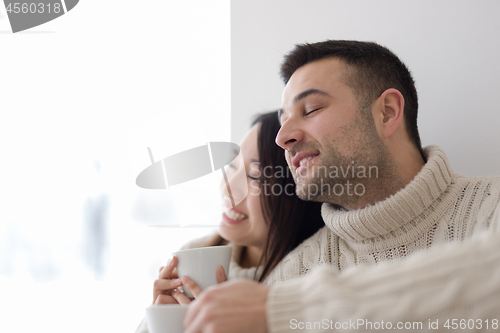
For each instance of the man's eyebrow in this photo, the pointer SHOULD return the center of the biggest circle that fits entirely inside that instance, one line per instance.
(301, 96)
(312, 91)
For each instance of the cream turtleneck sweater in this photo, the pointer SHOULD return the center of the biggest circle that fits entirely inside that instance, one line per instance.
(454, 218)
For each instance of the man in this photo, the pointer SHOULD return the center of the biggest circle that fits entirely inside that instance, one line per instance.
(350, 136)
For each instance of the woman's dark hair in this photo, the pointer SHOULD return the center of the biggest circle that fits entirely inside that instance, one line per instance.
(290, 219)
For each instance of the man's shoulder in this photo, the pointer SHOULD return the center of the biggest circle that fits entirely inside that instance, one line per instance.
(481, 196)
(491, 182)
(494, 178)
(480, 187)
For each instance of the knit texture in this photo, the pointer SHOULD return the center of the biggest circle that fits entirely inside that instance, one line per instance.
(437, 207)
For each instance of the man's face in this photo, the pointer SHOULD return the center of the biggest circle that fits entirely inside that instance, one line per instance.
(324, 133)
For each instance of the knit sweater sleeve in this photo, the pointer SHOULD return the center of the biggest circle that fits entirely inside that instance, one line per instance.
(458, 280)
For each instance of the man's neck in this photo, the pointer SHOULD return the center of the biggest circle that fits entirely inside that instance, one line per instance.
(401, 174)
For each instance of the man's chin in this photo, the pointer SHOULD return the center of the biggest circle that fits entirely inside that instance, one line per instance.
(304, 191)
(302, 195)
(310, 191)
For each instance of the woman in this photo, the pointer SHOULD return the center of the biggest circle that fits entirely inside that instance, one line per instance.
(270, 222)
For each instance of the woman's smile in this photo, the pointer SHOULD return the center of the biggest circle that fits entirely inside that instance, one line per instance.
(234, 216)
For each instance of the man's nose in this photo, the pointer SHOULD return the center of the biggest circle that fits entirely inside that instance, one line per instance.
(289, 134)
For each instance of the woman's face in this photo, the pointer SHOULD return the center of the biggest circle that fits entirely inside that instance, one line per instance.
(244, 224)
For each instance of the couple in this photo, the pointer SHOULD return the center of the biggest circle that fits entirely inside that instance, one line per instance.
(416, 243)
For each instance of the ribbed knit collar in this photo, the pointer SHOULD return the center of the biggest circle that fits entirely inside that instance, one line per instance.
(397, 210)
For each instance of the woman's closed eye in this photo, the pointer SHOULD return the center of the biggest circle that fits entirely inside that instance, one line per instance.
(253, 177)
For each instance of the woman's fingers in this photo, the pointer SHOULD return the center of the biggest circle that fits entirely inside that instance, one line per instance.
(191, 285)
(180, 297)
(166, 284)
(221, 275)
(165, 299)
(167, 270)
(169, 280)
(174, 272)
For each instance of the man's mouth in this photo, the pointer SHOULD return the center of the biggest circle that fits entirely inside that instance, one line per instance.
(305, 160)
(302, 159)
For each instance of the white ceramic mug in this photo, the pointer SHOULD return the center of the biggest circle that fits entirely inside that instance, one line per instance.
(166, 318)
(201, 264)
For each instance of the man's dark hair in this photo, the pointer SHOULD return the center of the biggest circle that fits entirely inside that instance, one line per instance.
(371, 70)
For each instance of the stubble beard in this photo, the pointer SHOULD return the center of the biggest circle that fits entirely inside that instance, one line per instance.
(367, 150)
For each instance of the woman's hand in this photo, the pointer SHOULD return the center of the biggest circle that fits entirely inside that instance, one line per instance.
(164, 291)
(194, 288)
(164, 286)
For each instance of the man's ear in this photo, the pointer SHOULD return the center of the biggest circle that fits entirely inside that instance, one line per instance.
(388, 112)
